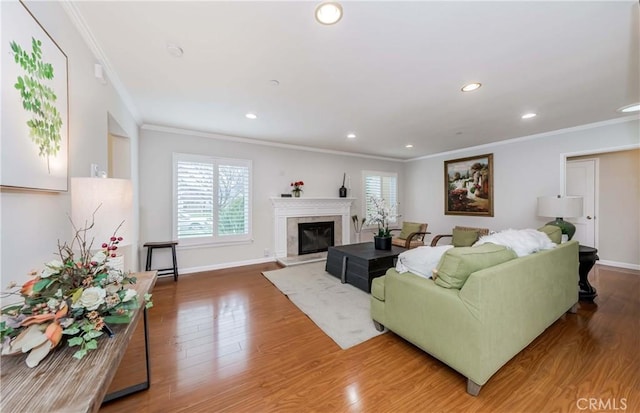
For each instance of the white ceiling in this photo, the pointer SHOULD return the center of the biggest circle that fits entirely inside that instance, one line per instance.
(391, 72)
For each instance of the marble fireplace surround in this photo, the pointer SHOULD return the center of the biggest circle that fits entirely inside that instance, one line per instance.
(287, 212)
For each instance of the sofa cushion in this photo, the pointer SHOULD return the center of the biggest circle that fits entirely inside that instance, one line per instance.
(409, 228)
(464, 237)
(457, 264)
(553, 232)
(522, 241)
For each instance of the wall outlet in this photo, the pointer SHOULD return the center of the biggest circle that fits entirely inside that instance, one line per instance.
(266, 252)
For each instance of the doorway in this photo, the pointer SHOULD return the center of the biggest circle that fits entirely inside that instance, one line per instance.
(119, 158)
(615, 212)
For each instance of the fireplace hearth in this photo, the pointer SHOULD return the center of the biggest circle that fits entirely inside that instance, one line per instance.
(315, 237)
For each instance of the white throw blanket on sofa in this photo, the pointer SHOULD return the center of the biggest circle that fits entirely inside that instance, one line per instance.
(521, 241)
(421, 261)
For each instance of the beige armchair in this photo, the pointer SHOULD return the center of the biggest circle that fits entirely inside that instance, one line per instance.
(411, 235)
(462, 236)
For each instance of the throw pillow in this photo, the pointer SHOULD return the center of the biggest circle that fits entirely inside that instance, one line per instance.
(409, 228)
(457, 264)
(464, 237)
(554, 233)
(420, 261)
(521, 241)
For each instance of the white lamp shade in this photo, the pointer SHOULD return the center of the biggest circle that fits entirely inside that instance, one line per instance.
(560, 207)
(106, 202)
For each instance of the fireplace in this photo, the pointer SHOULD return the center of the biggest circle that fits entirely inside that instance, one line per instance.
(288, 212)
(315, 237)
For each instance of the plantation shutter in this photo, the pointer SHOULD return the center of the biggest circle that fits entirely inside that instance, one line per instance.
(233, 200)
(211, 199)
(380, 185)
(194, 197)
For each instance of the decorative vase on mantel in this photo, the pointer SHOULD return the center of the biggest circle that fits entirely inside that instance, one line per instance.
(382, 243)
(297, 188)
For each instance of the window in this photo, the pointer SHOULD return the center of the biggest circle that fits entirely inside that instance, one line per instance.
(380, 185)
(211, 199)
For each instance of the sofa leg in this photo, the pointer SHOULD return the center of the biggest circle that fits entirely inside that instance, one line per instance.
(473, 388)
(378, 326)
(573, 309)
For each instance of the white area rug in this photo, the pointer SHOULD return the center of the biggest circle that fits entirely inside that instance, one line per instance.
(341, 310)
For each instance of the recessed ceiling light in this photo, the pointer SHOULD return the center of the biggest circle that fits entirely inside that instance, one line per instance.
(471, 87)
(529, 115)
(634, 107)
(408, 146)
(175, 50)
(351, 135)
(328, 12)
(251, 116)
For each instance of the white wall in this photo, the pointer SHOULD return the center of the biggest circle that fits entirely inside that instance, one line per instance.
(32, 222)
(524, 169)
(274, 168)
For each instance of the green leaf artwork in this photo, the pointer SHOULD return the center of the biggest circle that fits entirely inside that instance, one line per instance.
(38, 99)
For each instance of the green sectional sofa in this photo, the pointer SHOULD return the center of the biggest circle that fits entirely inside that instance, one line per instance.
(496, 313)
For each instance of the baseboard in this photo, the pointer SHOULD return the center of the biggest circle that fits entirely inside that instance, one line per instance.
(619, 264)
(226, 265)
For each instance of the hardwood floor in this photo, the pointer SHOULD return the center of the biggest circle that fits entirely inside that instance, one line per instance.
(229, 341)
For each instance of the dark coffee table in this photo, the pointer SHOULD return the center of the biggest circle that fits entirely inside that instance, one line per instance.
(359, 264)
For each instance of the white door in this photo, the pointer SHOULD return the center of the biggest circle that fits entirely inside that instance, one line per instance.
(581, 181)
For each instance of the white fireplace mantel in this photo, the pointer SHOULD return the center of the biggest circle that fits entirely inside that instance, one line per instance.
(284, 208)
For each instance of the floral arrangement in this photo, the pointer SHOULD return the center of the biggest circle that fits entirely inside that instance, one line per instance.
(380, 214)
(297, 186)
(72, 297)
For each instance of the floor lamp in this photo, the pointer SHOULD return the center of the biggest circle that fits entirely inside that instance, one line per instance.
(107, 203)
(561, 207)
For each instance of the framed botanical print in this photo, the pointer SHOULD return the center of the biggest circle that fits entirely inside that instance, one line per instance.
(468, 186)
(35, 115)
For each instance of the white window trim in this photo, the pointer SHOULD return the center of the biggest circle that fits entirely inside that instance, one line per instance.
(187, 243)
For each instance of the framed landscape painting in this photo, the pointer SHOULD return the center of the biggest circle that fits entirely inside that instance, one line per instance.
(34, 137)
(468, 186)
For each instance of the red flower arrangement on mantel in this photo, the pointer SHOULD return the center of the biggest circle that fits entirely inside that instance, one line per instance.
(297, 188)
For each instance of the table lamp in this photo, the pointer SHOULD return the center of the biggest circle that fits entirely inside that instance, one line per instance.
(107, 202)
(561, 207)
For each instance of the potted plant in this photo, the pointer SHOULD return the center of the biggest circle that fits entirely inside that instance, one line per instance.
(381, 215)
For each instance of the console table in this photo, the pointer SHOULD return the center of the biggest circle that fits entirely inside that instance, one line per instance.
(588, 257)
(61, 383)
(359, 264)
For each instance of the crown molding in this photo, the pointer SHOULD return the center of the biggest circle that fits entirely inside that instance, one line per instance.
(530, 137)
(229, 138)
(83, 28)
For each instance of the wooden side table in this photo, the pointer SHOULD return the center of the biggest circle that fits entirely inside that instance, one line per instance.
(588, 257)
(163, 244)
